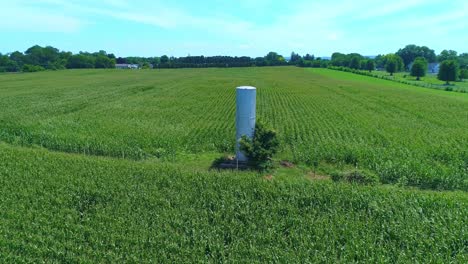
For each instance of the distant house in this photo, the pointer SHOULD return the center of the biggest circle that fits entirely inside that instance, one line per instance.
(126, 66)
(432, 67)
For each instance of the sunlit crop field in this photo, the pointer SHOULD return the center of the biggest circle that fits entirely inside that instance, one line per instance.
(63, 208)
(402, 133)
(113, 166)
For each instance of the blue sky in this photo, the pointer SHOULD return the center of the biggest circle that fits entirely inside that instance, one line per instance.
(242, 27)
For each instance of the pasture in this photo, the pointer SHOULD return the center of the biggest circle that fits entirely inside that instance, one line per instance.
(429, 81)
(113, 166)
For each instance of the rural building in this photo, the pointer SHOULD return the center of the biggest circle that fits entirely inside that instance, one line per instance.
(126, 66)
(433, 67)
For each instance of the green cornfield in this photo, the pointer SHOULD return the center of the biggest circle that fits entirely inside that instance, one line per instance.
(112, 166)
(394, 130)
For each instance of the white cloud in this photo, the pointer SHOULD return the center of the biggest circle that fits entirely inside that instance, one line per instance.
(29, 19)
(306, 26)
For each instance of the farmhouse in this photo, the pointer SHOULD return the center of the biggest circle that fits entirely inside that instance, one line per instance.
(432, 67)
(126, 66)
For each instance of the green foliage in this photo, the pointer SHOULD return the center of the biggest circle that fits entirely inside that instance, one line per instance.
(463, 60)
(102, 61)
(145, 66)
(448, 71)
(8, 65)
(261, 148)
(464, 74)
(273, 58)
(308, 61)
(354, 63)
(419, 67)
(393, 63)
(352, 60)
(370, 65)
(411, 52)
(447, 55)
(81, 61)
(32, 68)
(356, 176)
(295, 58)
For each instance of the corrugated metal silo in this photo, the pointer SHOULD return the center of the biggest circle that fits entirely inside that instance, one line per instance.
(245, 116)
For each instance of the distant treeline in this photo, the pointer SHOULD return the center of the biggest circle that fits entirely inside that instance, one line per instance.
(39, 58)
(271, 59)
(412, 58)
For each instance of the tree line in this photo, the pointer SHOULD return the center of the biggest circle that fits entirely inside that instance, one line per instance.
(39, 58)
(411, 58)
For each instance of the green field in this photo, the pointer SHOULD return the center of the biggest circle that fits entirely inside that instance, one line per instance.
(113, 166)
(320, 115)
(428, 81)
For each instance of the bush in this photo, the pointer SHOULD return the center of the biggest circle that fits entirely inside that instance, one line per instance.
(449, 71)
(464, 74)
(356, 176)
(32, 68)
(261, 148)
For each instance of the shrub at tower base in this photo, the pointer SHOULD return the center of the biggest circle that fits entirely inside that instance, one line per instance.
(261, 148)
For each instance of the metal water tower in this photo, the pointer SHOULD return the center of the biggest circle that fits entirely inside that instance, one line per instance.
(245, 116)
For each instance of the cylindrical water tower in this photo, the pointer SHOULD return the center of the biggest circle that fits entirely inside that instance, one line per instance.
(245, 116)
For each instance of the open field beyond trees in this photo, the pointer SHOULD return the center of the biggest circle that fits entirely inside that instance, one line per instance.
(113, 166)
(428, 81)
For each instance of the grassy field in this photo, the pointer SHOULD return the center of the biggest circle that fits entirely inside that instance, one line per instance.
(428, 81)
(113, 166)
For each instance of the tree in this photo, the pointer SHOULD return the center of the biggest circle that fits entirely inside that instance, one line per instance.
(447, 55)
(17, 57)
(380, 61)
(309, 57)
(47, 57)
(393, 63)
(411, 52)
(391, 66)
(448, 71)
(370, 65)
(419, 68)
(273, 58)
(339, 59)
(262, 147)
(354, 63)
(260, 61)
(463, 60)
(294, 58)
(103, 61)
(32, 68)
(463, 74)
(81, 61)
(164, 59)
(8, 65)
